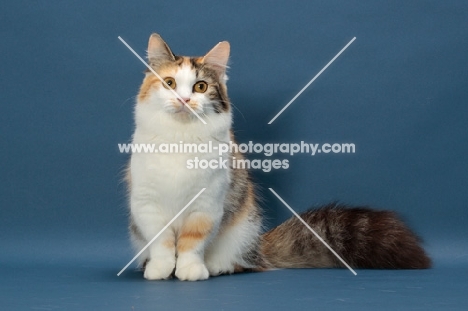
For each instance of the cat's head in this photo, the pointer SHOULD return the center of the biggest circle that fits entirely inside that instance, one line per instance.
(197, 82)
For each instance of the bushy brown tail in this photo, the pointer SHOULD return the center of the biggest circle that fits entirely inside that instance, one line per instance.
(363, 237)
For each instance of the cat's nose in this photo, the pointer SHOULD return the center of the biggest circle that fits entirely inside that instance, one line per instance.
(185, 99)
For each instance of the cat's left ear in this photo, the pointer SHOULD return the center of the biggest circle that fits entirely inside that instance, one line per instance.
(218, 58)
(158, 51)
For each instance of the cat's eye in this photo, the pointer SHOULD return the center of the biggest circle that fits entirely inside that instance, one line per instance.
(200, 87)
(170, 82)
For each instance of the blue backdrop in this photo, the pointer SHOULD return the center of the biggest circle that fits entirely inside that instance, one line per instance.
(399, 93)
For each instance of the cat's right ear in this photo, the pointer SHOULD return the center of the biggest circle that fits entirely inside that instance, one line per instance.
(158, 51)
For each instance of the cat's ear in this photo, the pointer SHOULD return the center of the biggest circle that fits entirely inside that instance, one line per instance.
(218, 57)
(158, 51)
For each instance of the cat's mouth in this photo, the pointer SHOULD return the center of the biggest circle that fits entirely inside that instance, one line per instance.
(181, 108)
(184, 108)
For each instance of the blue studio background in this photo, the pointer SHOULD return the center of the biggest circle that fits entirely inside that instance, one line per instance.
(399, 93)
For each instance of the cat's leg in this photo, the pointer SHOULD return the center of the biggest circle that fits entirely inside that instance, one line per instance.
(194, 235)
(161, 252)
(162, 260)
(235, 247)
(138, 243)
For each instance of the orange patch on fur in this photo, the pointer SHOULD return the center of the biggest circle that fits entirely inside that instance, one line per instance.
(186, 61)
(199, 60)
(150, 81)
(169, 243)
(196, 229)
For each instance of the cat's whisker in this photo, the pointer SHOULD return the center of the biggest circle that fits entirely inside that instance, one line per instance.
(238, 110)
(127, 100)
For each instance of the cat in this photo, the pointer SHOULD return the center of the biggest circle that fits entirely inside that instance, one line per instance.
(221, 231)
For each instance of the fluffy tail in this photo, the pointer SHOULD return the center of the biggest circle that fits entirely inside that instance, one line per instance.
(364, 238)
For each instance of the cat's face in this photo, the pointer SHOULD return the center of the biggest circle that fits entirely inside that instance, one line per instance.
(190, 82)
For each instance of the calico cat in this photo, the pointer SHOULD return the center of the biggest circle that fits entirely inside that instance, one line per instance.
(221, 231)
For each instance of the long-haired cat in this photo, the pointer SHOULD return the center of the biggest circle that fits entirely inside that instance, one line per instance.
(221, 231)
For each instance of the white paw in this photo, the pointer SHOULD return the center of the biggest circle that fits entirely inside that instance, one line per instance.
(159, 269)
(193, 271)
(217, 268)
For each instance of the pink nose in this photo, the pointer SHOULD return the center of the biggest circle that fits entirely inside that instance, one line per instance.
(184, 99)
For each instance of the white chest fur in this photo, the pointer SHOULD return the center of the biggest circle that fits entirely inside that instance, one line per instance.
(163, 180)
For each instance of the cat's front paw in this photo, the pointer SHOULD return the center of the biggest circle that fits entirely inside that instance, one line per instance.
(159, 269)
(192, 271)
